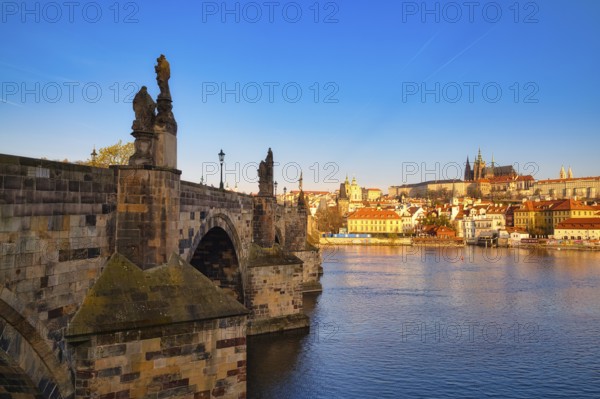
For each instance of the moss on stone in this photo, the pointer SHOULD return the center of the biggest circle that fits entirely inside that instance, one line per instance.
(274, 256)
(126, 297)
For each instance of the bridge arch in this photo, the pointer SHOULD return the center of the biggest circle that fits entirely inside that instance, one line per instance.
(25, 349)
(218, 254)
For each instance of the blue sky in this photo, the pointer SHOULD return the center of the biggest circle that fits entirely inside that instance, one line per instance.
(385, 85)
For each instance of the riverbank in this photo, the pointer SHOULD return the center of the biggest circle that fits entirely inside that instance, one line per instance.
(558, 247)
(434, 242)
(369, 241)
(393, 242)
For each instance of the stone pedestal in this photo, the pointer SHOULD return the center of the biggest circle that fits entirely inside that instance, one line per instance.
(264, 221)
(147, 214)
(165, 128)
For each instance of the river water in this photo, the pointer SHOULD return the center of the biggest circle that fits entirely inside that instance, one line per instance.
(432, 323)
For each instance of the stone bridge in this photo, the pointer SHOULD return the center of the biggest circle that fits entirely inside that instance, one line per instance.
(130, 283)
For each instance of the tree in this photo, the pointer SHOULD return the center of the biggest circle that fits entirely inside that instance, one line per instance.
(474, 192)
(443, 220)
(116, 154)
(329, 219)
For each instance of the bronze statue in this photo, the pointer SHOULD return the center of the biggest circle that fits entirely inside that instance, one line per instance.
(144, 108)
(163, 74)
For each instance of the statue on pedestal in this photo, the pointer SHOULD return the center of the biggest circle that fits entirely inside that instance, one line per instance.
(265, 176)
(144, 108)
(163, 74)
(165, 120)
(143, 128)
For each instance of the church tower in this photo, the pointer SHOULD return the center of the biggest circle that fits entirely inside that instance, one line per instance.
(489, 172)
(479, 167)
(468, 171)
(355, 191)
(562, 174)
(343, 200)
(570, 173)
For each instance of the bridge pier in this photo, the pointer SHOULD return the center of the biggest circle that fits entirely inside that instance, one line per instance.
(275, 276)
(274, 292)
(163, 332)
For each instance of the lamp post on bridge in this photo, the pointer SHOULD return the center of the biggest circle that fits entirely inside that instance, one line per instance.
(284, 195)
(221, 159)
(94, 154)
(275, 186)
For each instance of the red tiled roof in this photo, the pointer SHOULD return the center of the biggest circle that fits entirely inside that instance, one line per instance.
(531, 206)
(580, 223)
(572, 205)
(525, 178)
(501, 179)
(370, 213)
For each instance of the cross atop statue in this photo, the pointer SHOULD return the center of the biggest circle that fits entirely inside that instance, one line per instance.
(163, 74)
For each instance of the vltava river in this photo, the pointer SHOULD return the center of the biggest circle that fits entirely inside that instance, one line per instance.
(426, 323)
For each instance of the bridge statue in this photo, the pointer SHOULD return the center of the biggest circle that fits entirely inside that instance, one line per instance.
(144, 108)
(165, 121)
(143, 128)
(163, 74)
(265, 176)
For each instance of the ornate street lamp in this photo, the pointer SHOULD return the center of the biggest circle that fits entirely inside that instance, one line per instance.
(94, 154)
(284, 195)
(275, 185)
(221, 159)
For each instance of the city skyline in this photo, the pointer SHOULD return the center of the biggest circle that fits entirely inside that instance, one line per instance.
(371, 99)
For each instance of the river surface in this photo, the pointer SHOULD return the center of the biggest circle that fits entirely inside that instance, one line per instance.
(429, 323)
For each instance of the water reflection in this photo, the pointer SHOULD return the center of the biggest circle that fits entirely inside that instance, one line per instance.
(472, 322)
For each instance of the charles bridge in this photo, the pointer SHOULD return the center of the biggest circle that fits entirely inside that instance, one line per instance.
(130, 283)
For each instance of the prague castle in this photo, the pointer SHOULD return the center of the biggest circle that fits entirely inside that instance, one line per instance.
(479, 180)
(480, 171)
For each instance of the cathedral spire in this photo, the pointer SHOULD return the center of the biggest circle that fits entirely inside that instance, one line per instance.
(562, 175)
(468, 172)
(570, 173)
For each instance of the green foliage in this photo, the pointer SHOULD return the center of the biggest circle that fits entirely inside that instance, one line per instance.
(116, 154)
(442, 220)
(329, 220)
